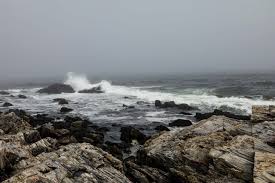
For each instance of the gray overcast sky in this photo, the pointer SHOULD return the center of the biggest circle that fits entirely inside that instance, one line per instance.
(51, 37)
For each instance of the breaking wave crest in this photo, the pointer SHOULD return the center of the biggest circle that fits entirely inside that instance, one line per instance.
(205, 100)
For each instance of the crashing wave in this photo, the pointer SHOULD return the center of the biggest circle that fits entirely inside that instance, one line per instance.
(202, 100)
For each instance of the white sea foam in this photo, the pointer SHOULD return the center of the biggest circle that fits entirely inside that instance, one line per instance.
(199, 99)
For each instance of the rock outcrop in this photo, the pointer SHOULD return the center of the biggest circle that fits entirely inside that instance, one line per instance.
(29, 155)
(172, 104)
(263, 113)
(57, 89)
(218, 149)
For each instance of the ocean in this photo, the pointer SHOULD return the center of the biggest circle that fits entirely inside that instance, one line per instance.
(233, 93)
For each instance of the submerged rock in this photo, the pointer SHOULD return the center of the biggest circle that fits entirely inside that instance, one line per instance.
(180, 123)
(172, 104)
(7, 104)
(4, 93)
(22, 96)
(65, 110)
(61, 101)
(92, 90)
(57, 89)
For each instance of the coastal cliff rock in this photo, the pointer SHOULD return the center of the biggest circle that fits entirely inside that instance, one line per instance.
(218, 149)
(71, 163)
(57, 89)
(25, 156)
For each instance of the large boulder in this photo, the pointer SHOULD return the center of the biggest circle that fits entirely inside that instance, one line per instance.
(172, 104)
(57, 89)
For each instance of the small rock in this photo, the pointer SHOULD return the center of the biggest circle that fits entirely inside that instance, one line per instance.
(129, 133)
(7, 104)
(161, 128)
(22, 96)
(180, 123)
(61, 101)
(158, 103)
(65, 110)
(186, 113)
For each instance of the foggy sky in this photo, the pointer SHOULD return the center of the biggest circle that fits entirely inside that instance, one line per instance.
(51, 37)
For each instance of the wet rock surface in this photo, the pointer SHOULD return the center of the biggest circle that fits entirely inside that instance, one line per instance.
(180, 123)
(92, 90)
(216, 112)
(57, 89)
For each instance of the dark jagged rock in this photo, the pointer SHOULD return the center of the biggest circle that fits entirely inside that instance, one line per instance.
(4, 93)
(12, 124)
(161, 128)
(172, 104)
(32, 136)
(65, 110)
(128, 107)
(158, 103)
(7, 104)
(40, 119)
(180, 123)
(142, 173)
(57, 89)
(201, 116)
(71, 119)
(129, 133)
(92, 90)
(116, 149)
(61, 101)
(22, 96)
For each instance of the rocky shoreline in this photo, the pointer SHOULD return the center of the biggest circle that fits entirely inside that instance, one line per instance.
(216, 149)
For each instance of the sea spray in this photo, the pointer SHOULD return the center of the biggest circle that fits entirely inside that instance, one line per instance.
(78, 81)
